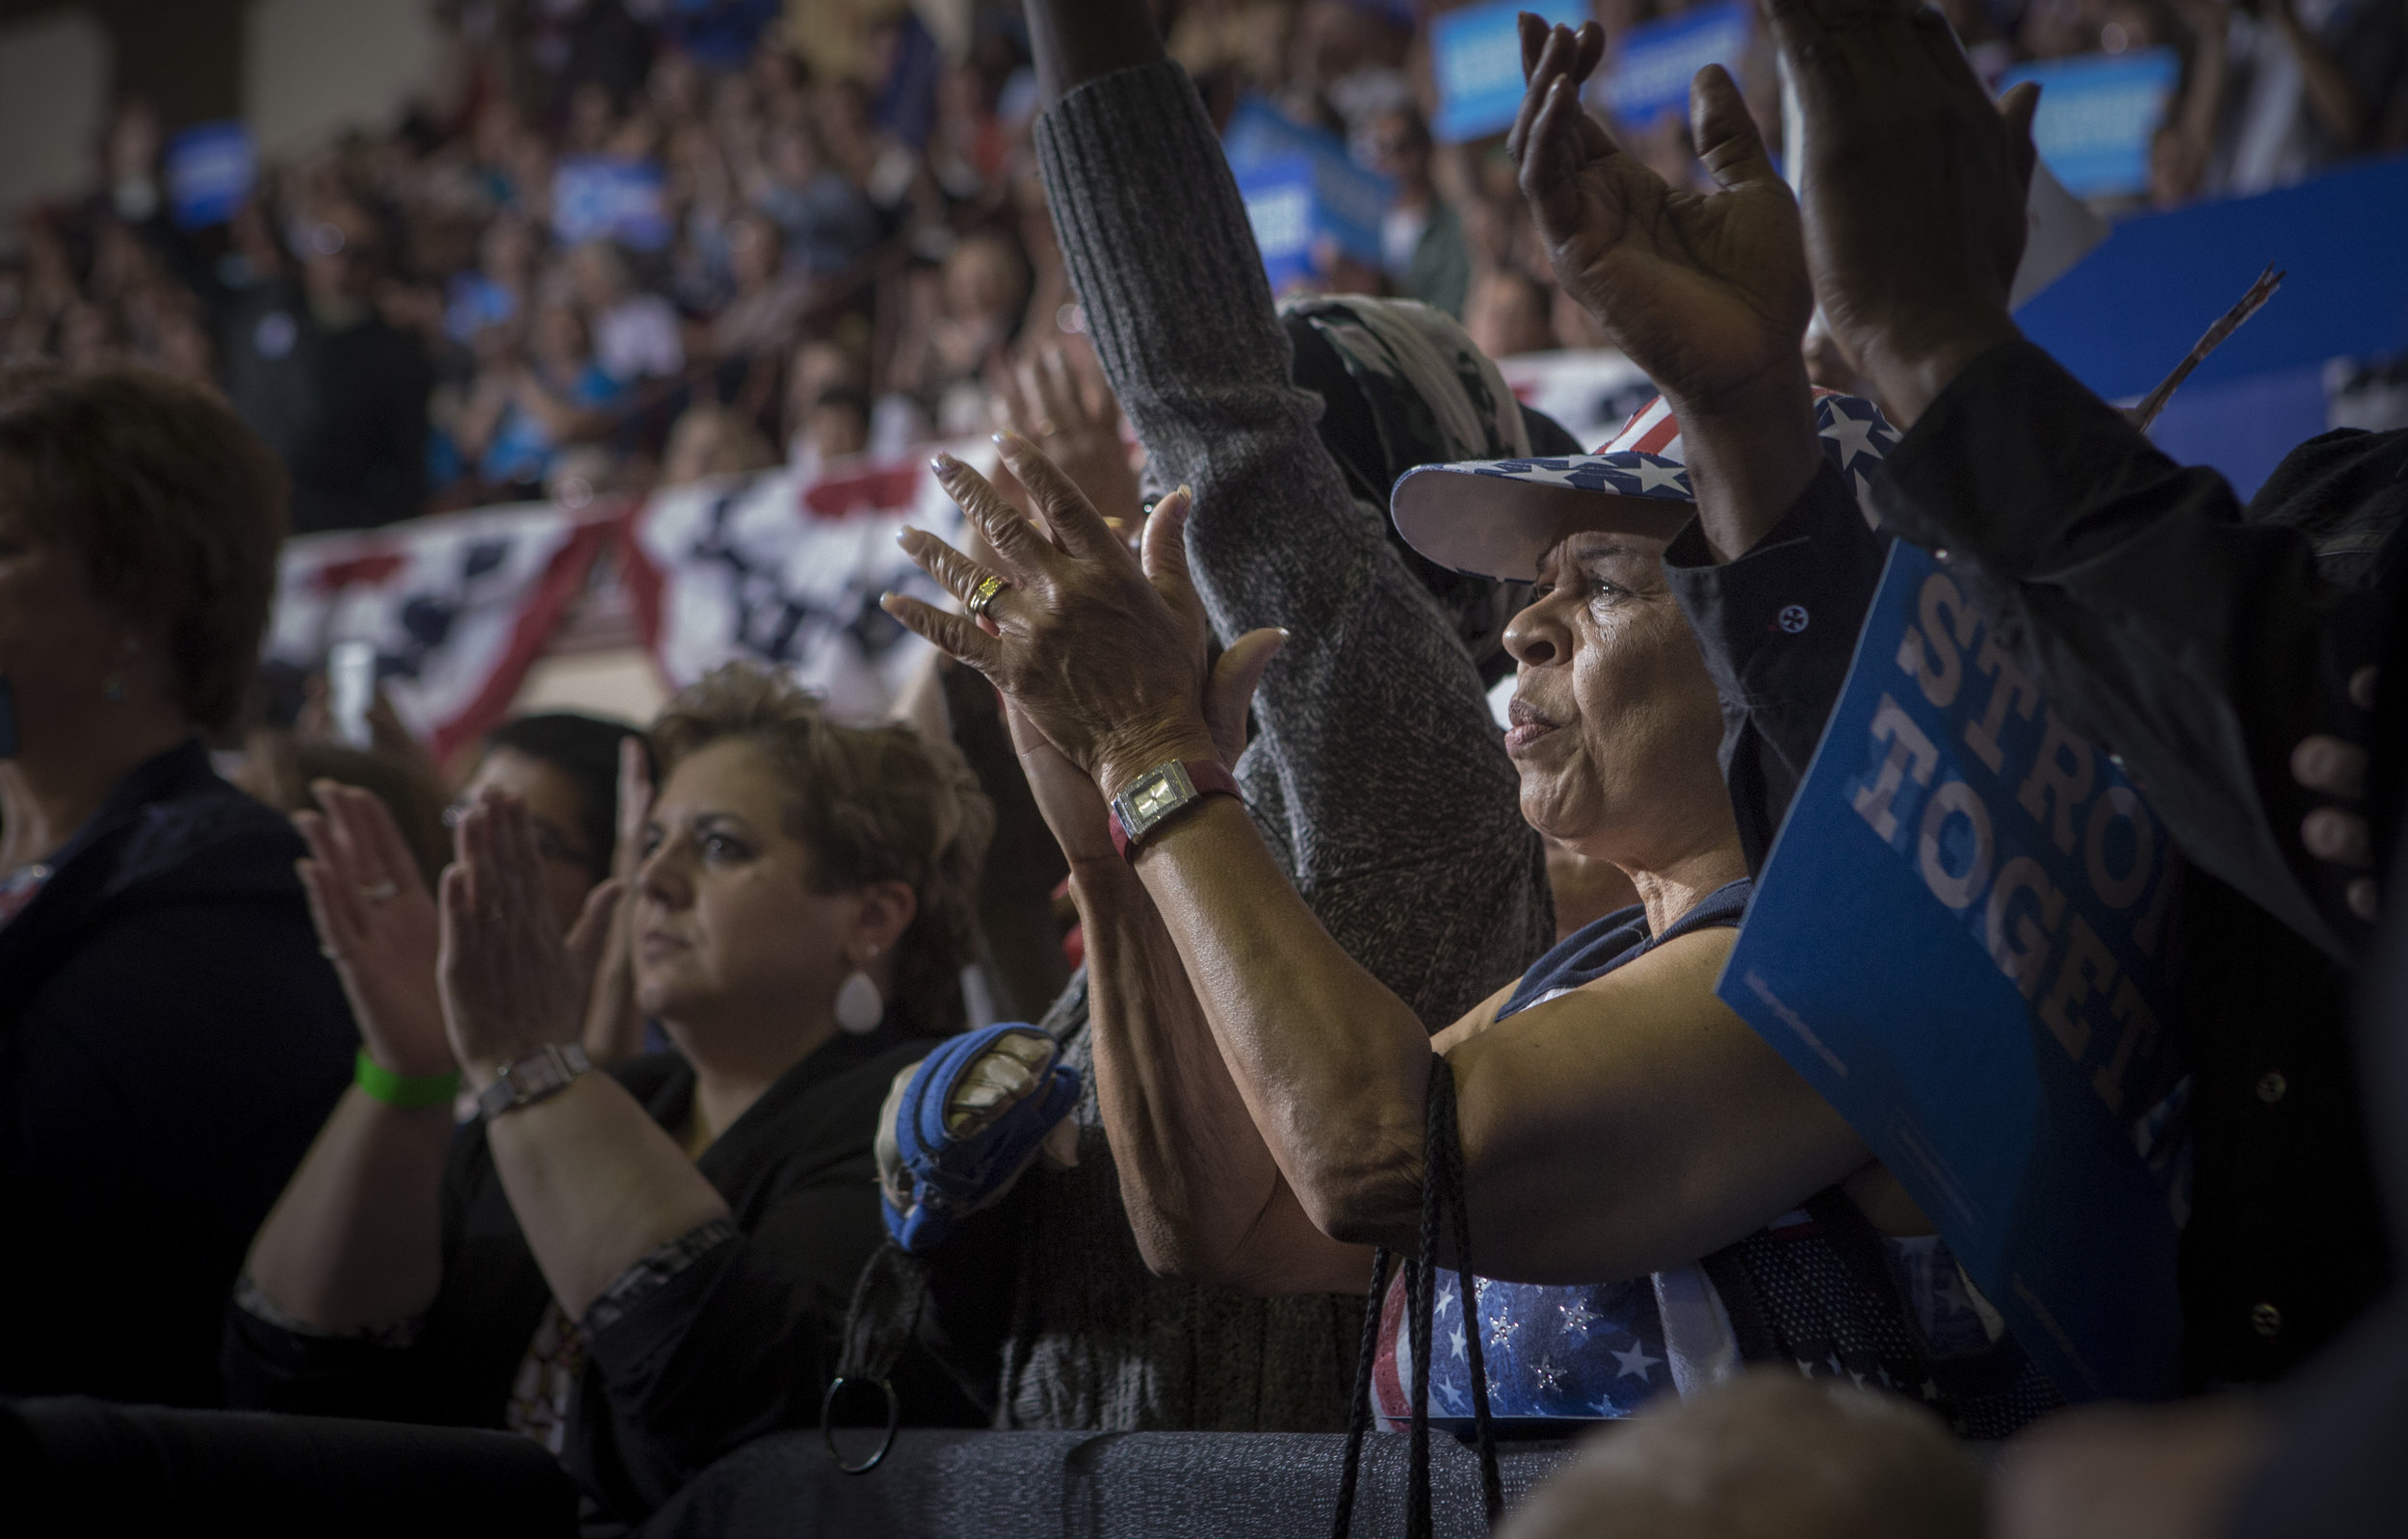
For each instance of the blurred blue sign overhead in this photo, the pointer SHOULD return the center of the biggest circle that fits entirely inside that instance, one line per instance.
(209, 171)
(2098, 114)
(1278, 196)
(1301, 189)
(599, 197)
(2131, 310)
(1648, 69)
(1476, 58)
(1956, 941)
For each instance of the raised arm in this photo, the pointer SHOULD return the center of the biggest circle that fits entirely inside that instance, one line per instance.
(2196, 645)
(596, 1185)
(1708, 294)
(1373, 729)
(355, 1241)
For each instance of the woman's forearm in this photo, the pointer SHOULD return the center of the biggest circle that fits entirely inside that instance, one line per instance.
(596, 1186)
(355, 1241)
(1203, 1190)
(1332, 1066)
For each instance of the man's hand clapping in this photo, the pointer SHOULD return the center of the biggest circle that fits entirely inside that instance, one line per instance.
(1914, 188)
(1707, 291)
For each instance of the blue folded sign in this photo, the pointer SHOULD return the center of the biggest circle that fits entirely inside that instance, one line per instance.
(1957, 940)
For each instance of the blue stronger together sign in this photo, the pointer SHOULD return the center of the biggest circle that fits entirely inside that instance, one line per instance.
(1957, 940)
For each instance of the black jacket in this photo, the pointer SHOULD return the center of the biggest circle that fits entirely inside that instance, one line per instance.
(739, 1342)
(169, 1042)
(2054, 517)
(2334, 1469)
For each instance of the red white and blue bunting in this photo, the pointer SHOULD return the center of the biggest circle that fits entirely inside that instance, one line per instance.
(771, 567)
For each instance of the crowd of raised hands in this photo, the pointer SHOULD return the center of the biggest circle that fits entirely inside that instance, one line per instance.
(1907, 242)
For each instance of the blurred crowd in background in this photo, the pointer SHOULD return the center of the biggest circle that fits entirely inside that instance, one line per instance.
(633, 243)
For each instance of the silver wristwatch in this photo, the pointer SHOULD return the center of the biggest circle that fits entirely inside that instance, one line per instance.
(533, 1077)
(1154, 797)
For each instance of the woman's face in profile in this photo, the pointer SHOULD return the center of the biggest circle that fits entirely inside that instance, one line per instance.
(726, 926)
(1615, 721)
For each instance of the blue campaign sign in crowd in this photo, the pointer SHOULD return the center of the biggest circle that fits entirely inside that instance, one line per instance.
(1956, 941)
(1648, 75)
(2098, 114)
(1475, 59)
(594, 197)
(209, 170)
(1301, 188)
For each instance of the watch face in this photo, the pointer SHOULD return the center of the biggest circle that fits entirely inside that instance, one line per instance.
(1155, 797)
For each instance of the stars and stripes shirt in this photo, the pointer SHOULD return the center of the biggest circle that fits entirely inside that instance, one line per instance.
(1598, 1351)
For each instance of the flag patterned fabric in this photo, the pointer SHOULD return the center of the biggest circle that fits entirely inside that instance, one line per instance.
(771, 569)
(458, 607)
(1646, 459)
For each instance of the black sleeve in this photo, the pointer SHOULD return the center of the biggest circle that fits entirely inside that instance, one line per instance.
(739, 1341)
(274, 1365)
(1778, 628)
(452, 1365)
(164, 1083)
(2196, 645)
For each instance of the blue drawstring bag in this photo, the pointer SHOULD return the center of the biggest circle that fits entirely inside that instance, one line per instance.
(952, 1178)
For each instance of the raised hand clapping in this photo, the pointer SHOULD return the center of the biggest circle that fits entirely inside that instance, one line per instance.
(377, 924)
(1102, 649)
(510, 984)
(1707, 291)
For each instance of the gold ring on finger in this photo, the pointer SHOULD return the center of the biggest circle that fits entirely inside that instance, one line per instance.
(983, 597)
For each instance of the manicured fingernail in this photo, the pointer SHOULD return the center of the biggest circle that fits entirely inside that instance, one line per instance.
(946, 466)
(1285, 633)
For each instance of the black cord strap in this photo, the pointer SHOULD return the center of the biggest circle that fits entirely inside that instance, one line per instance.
(883, 1321)
(1442, 1188)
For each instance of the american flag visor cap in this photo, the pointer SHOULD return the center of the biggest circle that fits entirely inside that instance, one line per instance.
(1498, 517)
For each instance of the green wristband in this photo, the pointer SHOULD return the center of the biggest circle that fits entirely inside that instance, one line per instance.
(403, 1090)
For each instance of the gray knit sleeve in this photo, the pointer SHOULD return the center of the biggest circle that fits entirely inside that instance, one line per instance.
(1376, 770)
